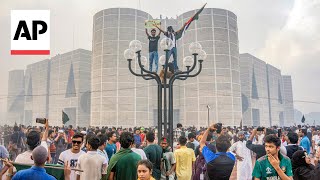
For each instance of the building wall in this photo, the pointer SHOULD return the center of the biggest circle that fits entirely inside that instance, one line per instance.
(275, 88)
(254, 78)
(288, 100)
(219, 82)
(15, 101)
(118, 97)
(36, 90)
(70, 88)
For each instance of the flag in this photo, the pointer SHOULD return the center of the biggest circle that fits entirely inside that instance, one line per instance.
(303, 119)
(65, 118)
(50, 169)
(241, 124)
(194, 17)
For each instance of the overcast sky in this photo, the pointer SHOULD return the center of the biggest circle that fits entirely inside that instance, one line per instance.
(284, 33)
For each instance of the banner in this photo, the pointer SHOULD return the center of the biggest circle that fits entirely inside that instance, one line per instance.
(150, 23)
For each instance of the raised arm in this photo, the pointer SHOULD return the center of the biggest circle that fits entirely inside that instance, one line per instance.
(147, 32)
(161, 30)
(45, 134)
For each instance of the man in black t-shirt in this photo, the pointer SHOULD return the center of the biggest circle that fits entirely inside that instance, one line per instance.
(153, 48)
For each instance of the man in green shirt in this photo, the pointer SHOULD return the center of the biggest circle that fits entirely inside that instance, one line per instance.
(123, 164)
(273, 166)
(154, 154)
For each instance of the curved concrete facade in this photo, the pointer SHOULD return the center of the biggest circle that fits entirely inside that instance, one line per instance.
(118, 98)
(219, 82)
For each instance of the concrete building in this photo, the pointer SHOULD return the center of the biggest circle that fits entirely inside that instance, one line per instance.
(266, 94)
(288, 101)
(70, 90)
(275, 95)
(36, 91)
(254, 89)
(15, 101)
(219, 82)
(118, 98)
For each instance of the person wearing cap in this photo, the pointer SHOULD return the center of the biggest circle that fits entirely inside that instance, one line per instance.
(243, 155)
(61, 144)
(168, 161)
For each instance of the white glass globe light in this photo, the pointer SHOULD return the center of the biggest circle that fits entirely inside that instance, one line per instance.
(162, 60)
(135, 45)
(144, 60)
(166, 43)
(202, 55)
(129, 54)
(195, 48)
(188, 61)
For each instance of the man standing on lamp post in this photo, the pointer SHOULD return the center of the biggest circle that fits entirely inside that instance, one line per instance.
(153, 48)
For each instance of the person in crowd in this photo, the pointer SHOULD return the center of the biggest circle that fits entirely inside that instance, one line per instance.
(305, 142)
(153, 49)
(137, 138)
(33, 141)
(51, 145)
(142, 135)
(102, 146)
(69, 137)
(144, 170)
(273, 165)
(177, 132)
(37, 171)
(15, 143)
(123, 164)
(61, 144)
(72, 155)
(94, 165)
(199, 168)
(168, 161)
(185, 159)
(315, 141)
(111, 147)
(292, 147)
(141, 153)
(243, 155)
(4, 154)
(258, 148)
(154, 154)
(219, 164)
(302, 167)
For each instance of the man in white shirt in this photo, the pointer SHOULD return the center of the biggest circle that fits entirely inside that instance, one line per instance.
(315, 141)
(244, 160)
(94, 166)
(103, 143)
(138, 151)
(72, 155)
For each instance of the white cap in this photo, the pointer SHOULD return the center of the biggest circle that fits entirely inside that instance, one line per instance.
(84, 132)
(60, 131)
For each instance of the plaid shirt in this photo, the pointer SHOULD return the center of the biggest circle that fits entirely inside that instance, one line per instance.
(176, 134)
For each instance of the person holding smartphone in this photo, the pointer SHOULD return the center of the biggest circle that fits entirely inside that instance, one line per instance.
(60, 143)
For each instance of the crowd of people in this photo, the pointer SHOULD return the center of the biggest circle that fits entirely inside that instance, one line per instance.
(214, 152)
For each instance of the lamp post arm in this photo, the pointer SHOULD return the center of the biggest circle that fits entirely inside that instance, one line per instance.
(132, 72)
(189, 69)
(181, 77)
(148, 76)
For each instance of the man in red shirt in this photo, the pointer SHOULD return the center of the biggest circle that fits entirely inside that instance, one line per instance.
(142, 134)
(70, 135)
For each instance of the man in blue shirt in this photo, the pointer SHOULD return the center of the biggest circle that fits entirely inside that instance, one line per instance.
(111, 147)
(220, 164)
(39, 156)
(305, 142)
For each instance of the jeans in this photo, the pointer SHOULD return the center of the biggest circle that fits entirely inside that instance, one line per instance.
(153, 56)
(173, 51)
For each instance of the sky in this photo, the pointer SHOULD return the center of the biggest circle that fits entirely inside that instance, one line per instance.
(284, 33)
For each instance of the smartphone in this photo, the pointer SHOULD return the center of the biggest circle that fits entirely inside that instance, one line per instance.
(41, 120)
(279, 132)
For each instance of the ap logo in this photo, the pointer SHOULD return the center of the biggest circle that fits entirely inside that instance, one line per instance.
(30, 32)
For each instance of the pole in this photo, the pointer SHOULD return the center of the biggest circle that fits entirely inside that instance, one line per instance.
(171, 114)
(165, 119)
(208, 107)
(159, 112)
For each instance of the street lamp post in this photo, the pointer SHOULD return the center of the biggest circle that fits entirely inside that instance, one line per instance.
(208, 107)
(190, 63)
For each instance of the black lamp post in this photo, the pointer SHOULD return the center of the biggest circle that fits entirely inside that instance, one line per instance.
(190, 63)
